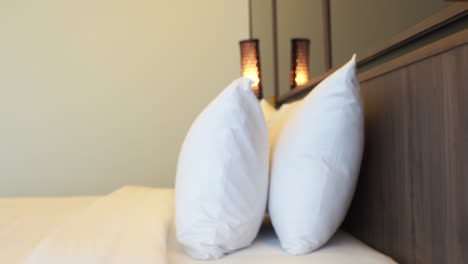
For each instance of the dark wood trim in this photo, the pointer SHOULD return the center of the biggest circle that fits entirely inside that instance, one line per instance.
(444, 17)
(429, 24)
(275, 49)
(437, 47)
(327, 34)
(303, 88)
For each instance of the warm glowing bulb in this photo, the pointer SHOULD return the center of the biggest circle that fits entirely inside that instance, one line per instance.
(252, 74)
(302, 76)
(300, 62)
(250, 64)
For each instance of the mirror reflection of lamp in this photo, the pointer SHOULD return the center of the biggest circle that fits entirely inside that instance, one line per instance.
(299, 72)
(250, 64)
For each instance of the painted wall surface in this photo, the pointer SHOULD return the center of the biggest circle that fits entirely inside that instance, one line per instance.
(262, 29)
(359, 25)
(299, 19)
(96, 94)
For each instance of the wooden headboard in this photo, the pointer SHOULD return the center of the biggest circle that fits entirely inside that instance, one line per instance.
(411, 201)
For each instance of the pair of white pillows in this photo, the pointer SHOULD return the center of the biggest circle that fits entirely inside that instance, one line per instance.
(224, 181)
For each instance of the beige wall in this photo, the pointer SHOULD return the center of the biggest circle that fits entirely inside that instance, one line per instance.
(96, 94)
(358, 25)
(299, 19)
(263, 30)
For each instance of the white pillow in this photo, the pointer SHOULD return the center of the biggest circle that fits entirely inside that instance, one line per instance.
(222, 175)
(268, 110)
(316, 160)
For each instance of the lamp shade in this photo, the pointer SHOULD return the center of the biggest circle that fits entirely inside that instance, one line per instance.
(250, 64)
(299, 73)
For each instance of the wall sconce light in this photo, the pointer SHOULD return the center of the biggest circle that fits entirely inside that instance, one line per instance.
(250, 64)
(299, 74)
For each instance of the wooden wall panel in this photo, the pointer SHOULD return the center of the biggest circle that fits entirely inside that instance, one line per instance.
(382, 217)
(412, 197)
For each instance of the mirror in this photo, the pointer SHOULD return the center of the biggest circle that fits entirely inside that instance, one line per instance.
(355, 27)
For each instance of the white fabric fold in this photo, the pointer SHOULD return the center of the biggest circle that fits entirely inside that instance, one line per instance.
(130, 225)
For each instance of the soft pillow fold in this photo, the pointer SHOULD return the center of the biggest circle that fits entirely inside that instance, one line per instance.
(316, 155)
(222, 175)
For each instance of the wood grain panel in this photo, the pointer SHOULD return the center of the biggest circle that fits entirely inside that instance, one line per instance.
(382, 216)
(427, 157)
(412, 197)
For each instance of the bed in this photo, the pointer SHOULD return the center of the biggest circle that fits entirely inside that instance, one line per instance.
(50, 224)
(410, 204)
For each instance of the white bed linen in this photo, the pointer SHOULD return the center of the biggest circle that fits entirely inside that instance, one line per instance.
(24, 222)
(341, 249)
(133, 225)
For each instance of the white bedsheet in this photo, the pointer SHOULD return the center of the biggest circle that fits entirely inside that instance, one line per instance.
(134, 225)
(24, 222)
